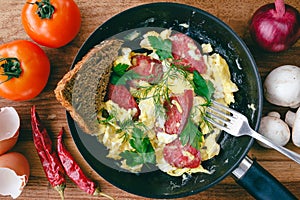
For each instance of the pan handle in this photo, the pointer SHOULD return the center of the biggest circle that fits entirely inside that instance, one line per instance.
(260, 183)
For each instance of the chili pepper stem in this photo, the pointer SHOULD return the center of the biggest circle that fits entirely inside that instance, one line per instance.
(106, 195)
(98, 192)
(60, 189)
(74, 171)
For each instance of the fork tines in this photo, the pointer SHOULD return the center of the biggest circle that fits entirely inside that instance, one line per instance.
(219, 115)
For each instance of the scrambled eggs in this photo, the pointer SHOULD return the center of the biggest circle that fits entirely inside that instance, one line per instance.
(119, 126)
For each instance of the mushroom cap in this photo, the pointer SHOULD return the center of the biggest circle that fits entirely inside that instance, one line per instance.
(290, 118)
(274, 129)
(296, 129)
(274, 114)
(281, 86)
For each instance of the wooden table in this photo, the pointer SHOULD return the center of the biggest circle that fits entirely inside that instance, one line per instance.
(94, 13)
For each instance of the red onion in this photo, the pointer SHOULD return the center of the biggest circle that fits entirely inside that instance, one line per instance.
(275, 27)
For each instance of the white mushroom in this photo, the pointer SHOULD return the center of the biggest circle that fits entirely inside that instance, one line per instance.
(274, 114)
(281, 86)
(275, 129)
(293, 120)
(290, 118)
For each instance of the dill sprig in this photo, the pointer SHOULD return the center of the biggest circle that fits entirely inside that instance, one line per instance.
(160, 91)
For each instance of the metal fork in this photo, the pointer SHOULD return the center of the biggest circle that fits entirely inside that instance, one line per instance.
(237, 125)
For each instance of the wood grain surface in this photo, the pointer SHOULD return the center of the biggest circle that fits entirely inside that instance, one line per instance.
(95, 12)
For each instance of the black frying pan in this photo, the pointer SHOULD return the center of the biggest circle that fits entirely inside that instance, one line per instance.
(203, 28)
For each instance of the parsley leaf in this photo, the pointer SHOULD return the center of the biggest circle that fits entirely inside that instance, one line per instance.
(120, 75)
(143, 151)
(162, 47)
(106, 120)
(120, 69)
(122, 80)
(132, 158)
(191, 135)
(202, 87)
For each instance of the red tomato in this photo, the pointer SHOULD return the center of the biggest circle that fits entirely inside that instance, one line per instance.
(51, 29)
(30, 66)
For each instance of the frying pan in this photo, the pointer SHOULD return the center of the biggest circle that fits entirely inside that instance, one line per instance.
(203, 28)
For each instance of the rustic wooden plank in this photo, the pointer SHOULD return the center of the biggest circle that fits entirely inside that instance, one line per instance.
(94, 13)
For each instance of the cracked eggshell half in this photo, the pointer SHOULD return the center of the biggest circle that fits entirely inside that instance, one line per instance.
(15, 170)
(9, 128)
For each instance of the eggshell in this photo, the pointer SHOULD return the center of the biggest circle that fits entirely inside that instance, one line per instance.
(9, 128)
(15, 170)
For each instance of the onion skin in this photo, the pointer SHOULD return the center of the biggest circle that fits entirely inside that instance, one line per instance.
(275, 27)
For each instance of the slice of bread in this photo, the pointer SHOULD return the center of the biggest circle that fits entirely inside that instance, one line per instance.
(82, 90)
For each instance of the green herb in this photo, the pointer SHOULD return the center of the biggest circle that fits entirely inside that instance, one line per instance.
(143, 151)
(106, 120)
(160, 91)
(191, 135)
(162, 47)
(202, 87)
(122, 80)
(120, 69)
(120, 75)
(134, 132)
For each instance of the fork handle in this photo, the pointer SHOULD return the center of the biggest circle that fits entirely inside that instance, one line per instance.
(290, 154)
(259, 182)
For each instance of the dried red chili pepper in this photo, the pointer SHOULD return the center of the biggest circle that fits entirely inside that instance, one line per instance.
(49, 159)
(74, 171)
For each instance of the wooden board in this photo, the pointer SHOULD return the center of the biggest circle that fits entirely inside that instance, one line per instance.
(94, 13)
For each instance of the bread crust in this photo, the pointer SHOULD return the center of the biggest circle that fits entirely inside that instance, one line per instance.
(82, 90)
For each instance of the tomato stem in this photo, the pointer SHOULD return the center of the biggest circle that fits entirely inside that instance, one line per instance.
(11, 68)
(45, 9)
